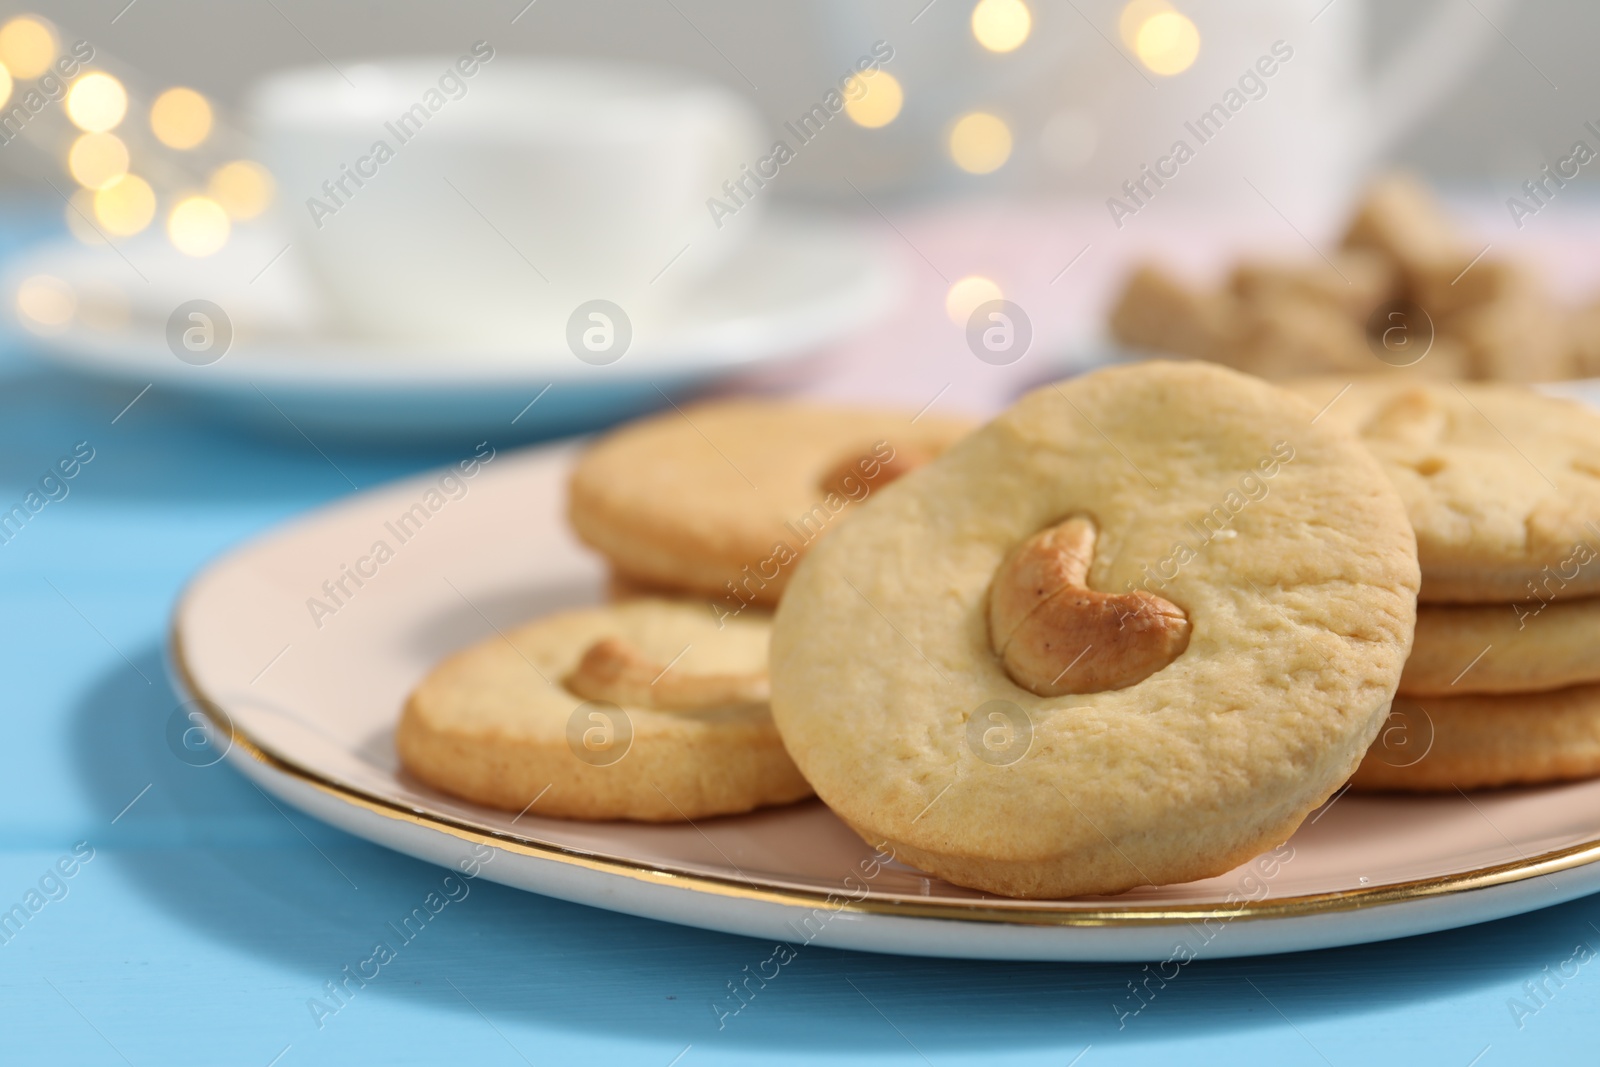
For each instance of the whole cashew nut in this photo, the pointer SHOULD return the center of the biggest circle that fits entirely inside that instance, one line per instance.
(614, 670)
(1055, 635)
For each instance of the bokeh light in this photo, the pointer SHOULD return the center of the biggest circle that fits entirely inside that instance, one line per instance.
(965, 296)
(879, 104)
(1001, 25)
(980, 143)
(27, 47)
(180, 118)
(97, 102)
(1133, 18)
(79, 214)
(1168, 43)
(198, 226)
(97, 159)
(5, 85)
(46, 302)
(126, 206)
(243, 188)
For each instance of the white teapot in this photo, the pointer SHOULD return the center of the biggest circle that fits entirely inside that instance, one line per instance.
(1086, 116)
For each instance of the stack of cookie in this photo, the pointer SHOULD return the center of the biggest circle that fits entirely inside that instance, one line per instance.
(711, 507)
(1502, 486)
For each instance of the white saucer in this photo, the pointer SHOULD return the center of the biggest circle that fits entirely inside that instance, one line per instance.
(313, 705)
(796, 285)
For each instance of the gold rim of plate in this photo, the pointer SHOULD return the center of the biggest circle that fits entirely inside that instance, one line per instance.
(1023, 913)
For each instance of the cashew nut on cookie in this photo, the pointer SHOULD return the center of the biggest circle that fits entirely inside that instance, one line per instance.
(612, 669)
(1058, 636)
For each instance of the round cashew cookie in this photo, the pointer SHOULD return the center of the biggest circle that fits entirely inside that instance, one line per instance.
(1479, 742)
(1502, 483)
(1218, 592)
(645, 710)
(722, 499)
(1503, 648)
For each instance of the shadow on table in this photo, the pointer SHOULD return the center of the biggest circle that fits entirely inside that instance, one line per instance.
(282, 887)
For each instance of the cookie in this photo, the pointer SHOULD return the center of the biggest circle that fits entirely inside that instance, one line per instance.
(722, 499)
(1477, 742)
(1502, 484)
(646, 710)
(1503, 648)
(1130, 632)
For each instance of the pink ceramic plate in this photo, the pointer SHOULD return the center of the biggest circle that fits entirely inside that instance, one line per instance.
(305, 700)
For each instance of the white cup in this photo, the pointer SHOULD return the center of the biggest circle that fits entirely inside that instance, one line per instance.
(487, 198)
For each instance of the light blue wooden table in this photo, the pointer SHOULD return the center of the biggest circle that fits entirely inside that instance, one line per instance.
(208, 918)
